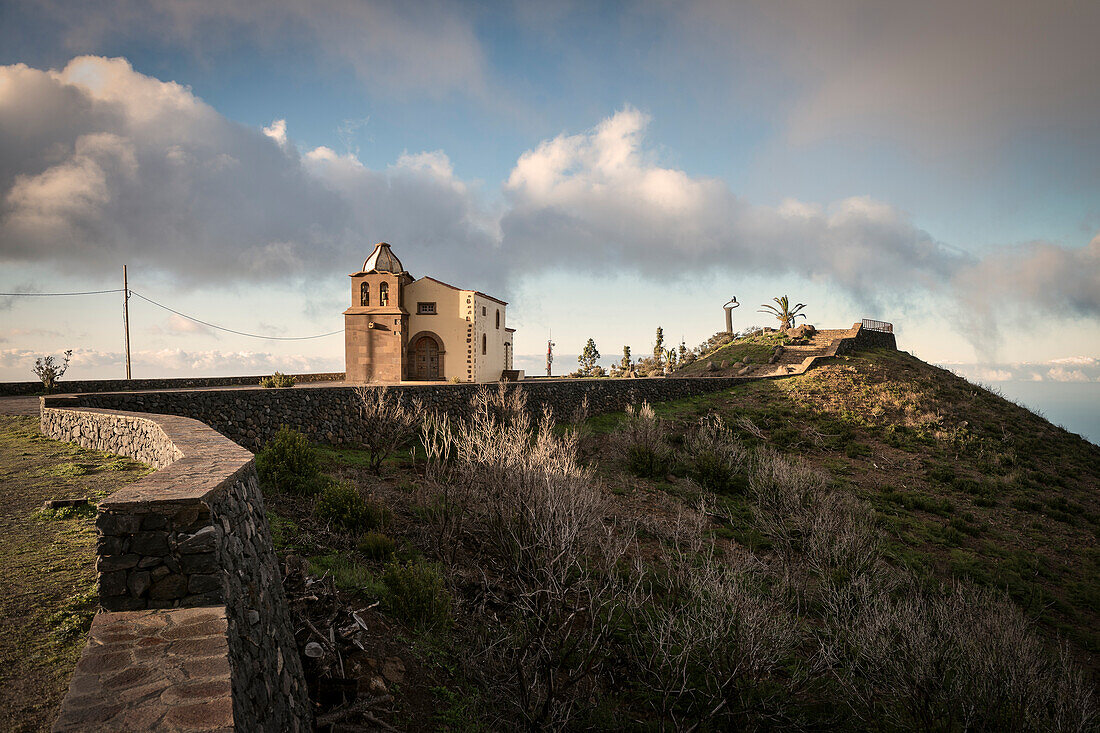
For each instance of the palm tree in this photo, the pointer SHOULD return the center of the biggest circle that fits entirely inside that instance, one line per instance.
(784, 313)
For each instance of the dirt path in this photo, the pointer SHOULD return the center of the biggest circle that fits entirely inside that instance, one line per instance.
(47, 565)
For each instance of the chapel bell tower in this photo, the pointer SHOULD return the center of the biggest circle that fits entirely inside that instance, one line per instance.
(376, 324)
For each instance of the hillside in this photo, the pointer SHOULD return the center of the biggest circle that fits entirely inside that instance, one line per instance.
(875, 544)
(965, 483)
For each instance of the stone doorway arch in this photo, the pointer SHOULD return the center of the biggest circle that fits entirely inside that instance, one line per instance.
(425, 357)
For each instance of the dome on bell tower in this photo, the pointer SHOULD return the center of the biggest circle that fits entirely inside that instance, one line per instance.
(382, 259)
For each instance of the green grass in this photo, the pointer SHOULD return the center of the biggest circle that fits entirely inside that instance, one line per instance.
(349, 575)
(756, 348)
(47, 563)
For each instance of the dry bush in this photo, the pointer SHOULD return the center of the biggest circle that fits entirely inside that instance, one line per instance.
(787, 496)
(387, 425)
(961, 659)
(841, 541)
(718, 460)
(642, 442)
(708, 649)
(676, 524)
(536, 517)
(587, 444)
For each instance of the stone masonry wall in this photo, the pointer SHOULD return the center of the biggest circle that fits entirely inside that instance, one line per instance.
(865, 338)
(331, 414)
(66, 386)
(194, 534)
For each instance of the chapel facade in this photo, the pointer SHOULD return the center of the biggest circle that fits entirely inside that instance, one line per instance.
(402, 329)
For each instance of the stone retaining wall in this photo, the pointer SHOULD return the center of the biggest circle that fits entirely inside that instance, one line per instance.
(193, 534)
(66, 386)
(865, 338)
(331, 414)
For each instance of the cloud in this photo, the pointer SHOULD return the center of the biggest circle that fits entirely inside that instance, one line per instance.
(1067, 369)
(101, 165)
(16, 364)
(277, 132)
(938, 75)
(1056, 278)
(179, 326)
(428, 47)
(600, 199)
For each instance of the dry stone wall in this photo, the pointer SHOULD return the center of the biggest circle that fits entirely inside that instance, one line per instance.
(331, 414)
(67, 386)
(194, 534)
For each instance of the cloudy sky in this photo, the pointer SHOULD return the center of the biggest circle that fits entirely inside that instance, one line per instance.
(604, 167)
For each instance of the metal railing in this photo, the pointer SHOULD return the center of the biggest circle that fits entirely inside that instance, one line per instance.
(878, 326)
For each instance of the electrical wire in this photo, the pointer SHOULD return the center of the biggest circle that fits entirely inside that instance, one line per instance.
(230, 330)
(40, 295)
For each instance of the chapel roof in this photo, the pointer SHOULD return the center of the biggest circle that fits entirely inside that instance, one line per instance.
(382, 259)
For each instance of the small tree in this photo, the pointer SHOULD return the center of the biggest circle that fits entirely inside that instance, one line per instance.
(659, 347)
(683, 350)
(49, 371)
(626, 364)
(670, 359)
(588, 358)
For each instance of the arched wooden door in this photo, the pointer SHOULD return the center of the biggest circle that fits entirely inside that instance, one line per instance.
(425, 363)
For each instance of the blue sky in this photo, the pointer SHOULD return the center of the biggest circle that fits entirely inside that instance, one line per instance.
(604, 167)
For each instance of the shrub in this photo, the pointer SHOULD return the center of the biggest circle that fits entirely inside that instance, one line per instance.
(341, 504)
(289, 463)
(538, 517)
(49, 371)
(962, 658)
(640, 440)
(716, 457)
(387, 423)
(279, 380)
(417, 593)
(376, 546)
(707, 649)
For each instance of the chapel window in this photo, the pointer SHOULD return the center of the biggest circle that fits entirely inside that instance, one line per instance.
(498, 319)
(364, 294)
(484, 345)
(384, 294)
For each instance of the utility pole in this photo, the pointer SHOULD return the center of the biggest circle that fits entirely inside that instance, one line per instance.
(126, 317)
(549, 353)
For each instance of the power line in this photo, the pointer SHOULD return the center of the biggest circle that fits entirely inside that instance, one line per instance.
(230, 330)
(51, 295)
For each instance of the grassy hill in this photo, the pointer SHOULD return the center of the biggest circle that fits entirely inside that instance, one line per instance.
(757, 348)
(875, 544)
(964, 483)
